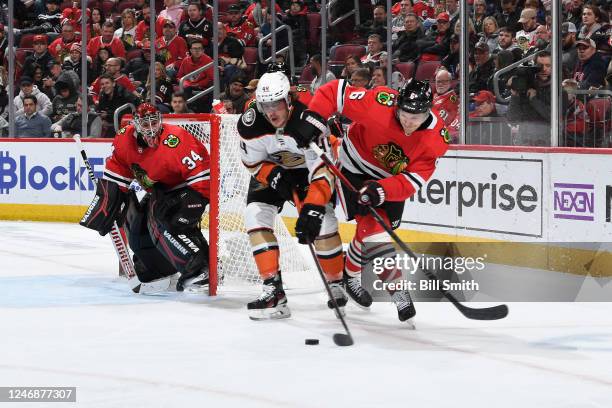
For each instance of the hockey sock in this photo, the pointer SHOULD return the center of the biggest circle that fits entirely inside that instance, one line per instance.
(265, 251)
(330, 255)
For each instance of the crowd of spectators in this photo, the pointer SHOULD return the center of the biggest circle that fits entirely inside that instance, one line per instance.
(424, 34)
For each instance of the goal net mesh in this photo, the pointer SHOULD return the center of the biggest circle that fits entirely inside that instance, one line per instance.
(234, 259)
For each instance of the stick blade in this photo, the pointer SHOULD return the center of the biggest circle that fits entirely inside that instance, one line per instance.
(489, 313)
(343, 340)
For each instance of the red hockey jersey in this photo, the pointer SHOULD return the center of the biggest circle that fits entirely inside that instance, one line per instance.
(244, 31)
(376, 145)
(447, 106)
(180, 159)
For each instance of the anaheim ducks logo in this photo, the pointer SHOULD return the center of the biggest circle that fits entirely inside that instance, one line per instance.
(141, 175)
(391, 156)
(288, 159)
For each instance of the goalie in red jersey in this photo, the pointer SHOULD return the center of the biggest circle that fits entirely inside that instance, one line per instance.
(388, 153)
(164, 228)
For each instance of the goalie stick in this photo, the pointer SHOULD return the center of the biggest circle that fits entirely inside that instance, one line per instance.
(340, 339)
(488, 313)
(115, 234)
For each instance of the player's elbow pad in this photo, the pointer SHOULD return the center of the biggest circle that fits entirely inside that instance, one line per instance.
(109, 205)
(309, 128)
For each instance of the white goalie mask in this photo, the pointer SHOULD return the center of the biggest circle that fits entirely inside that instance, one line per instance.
(272, 88)
(148, 122)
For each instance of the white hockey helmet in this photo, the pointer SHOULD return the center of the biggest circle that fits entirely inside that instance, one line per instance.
(272, 87)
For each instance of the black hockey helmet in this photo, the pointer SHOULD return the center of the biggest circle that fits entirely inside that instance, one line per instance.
(415, 96)
(280, 67)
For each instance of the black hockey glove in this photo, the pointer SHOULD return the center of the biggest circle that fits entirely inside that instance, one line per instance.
(309, 128)
(309, 223)
(178, 209)
(372, 193)
(109, 205)
(281, 181)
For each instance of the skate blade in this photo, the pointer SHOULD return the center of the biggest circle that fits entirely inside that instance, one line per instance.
(410, 325)
(272, 313)
(353, 301)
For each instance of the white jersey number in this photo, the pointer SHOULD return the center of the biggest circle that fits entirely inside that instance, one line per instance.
(357, 95)
(190, 161)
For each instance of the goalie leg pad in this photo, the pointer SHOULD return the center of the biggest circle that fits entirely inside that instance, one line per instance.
(149, 263)
(108, 205)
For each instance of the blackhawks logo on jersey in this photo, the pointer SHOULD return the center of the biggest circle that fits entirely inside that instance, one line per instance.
(141, 175)
(171, 141)
(446, 135)
(385, 98)
(391, 156)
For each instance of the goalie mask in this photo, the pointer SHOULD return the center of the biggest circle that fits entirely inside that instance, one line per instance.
(148, 123)
(272, 89)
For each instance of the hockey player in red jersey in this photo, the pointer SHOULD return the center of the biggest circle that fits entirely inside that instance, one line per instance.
(163, 229)
(270, 135)
(389, 152)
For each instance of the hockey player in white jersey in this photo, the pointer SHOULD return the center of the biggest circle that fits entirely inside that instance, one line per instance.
(271, 150)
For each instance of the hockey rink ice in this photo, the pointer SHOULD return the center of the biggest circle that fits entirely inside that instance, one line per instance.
(67, 320)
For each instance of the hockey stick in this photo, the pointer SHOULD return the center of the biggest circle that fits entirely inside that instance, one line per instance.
(115, 234)
(488, 313)
(340, 339)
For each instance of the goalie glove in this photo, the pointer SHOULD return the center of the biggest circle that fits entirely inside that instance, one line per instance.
(309, 223)
(109, 205)
(372, 193)
(309, 128)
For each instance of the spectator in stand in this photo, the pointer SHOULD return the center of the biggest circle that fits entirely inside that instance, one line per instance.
(376, 53)
(502, 59)
(239, 27)
(282, 37)
(235, 93)
(197, 27)
(379, 77)
(73, 63)
(106, 40)
(102, 56)
(70, 124)
(113, 70)
(435, 45)
(509, 16)
(163, 86)
(452, 8)
(397, 24)
(73, 14)
(361, 77)
(179, 103)
(590, 70)
(207, 10)
(375, 26)
(41, 56)
(196, 60)
(540, 14)
(230, 54)
(485, 105)
(318, 80)
(473, 38)
(595, 25)
(490, 33)
(55, 71)
(541, 40)
(65, 100)
(127, 32)
(138, 7)
(112, 97)
(575, 116)
(404, 48)
(95, 23)
(60, 47)
(173, 11)
(574, 12)
(137, 68)
(483, 70)
(43, 104)
(171, 48)
(296, 19)
(480, 12)
(451, 61)
(31, 123)
(446, 102)
(531, 110)
(351, 63)
(568, 43)
(505, 40)
(525, 38)
(143, 27)
(37, 75)
(3, 42)
(48, 22)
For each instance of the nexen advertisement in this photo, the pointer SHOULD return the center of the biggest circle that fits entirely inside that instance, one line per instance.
(50, 172)
(499, 195)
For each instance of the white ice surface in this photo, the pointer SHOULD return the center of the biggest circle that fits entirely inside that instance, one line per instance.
(66, 320)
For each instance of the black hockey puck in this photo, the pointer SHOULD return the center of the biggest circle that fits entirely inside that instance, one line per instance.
(312, 342)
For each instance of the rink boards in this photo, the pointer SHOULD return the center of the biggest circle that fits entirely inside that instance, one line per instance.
(478, 193)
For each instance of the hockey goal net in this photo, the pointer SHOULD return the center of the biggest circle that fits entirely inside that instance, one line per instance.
(231, 259)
